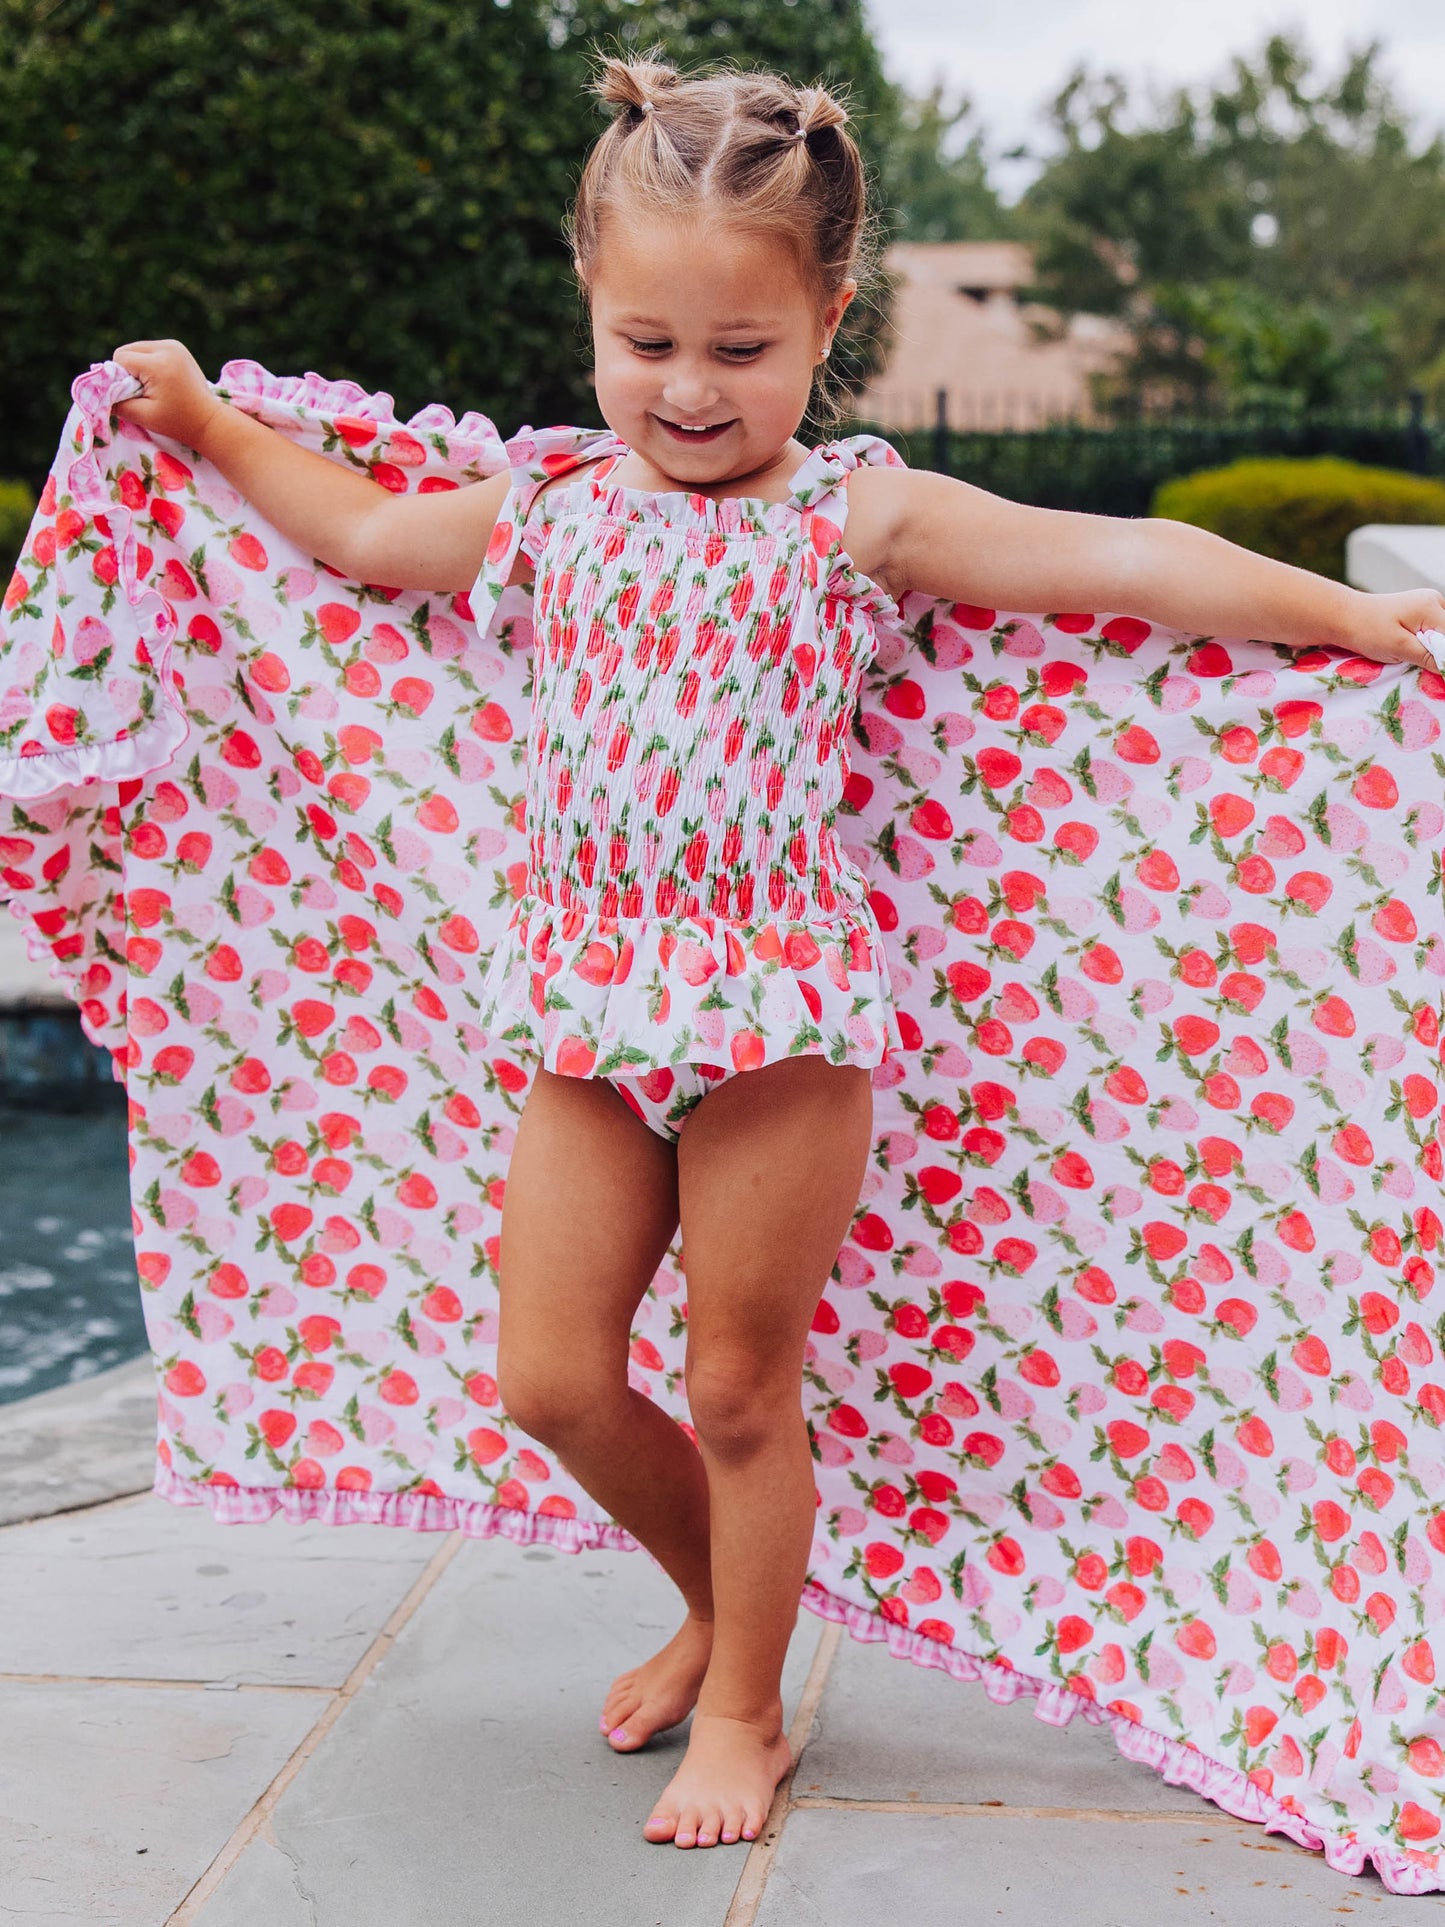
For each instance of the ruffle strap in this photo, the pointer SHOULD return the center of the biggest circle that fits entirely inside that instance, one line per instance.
(827, 469)
(820, 491)
(536, 456)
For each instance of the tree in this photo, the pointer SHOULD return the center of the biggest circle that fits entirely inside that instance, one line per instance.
(803, 40)
(1277, 217)
(1261, 351)
(374, 189)
(938, 185)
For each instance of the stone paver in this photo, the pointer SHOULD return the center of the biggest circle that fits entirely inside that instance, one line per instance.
(467, 1780)
(147, 1590)
(461, 1776)
(859, 1869)
(113, 1798)
(79, 1444)
(887, 1730)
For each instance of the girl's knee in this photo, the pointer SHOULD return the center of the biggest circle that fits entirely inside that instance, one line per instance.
(548, 1402)
(738, 1402)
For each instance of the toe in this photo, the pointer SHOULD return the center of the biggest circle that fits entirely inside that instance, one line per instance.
(660, 1825)
(732, 1824)
(687, 1825)
(622, 1734)
(709, 1828)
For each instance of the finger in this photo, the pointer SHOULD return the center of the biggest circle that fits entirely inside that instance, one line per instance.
(1431, 645)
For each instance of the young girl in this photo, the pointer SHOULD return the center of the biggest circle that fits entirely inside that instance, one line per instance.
(693, 948)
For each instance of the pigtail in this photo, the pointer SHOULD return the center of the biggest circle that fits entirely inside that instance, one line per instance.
(818, 111)
(634, 86)
(647, 154)
(806, 120)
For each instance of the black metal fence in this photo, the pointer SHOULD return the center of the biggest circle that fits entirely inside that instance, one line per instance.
(1113, 468)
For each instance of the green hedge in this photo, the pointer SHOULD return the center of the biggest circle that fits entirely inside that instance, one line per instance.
(371, 188)
(17, 505)
(1299, 511)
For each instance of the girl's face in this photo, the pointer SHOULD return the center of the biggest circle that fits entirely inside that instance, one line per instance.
(707, 339)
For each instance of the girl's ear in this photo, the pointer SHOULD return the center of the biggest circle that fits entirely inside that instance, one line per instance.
(835, 311)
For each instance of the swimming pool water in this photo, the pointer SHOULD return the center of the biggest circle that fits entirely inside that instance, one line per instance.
(69, 1298)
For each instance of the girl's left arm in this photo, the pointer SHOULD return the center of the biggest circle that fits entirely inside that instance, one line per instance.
(945, 538)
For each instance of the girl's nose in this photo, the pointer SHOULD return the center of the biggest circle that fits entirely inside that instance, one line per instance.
(691, 391)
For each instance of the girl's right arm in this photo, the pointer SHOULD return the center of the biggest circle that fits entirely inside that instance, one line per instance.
(434, 541)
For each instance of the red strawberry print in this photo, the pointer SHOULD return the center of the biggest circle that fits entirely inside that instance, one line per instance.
(1152, 1221)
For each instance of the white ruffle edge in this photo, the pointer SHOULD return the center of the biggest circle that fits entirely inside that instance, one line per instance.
(149, 749)
(319, 396)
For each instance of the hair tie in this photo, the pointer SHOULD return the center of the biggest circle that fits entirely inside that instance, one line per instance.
(645, 108)
(801, 133)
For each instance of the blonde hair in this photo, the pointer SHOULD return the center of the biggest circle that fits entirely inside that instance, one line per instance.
(758, 150)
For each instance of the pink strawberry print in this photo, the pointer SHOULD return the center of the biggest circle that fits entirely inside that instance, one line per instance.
(1153, 1228)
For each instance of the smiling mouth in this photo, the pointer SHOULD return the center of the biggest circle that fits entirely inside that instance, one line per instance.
(681, 433)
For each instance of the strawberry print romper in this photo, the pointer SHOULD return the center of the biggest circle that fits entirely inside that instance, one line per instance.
(688, 911)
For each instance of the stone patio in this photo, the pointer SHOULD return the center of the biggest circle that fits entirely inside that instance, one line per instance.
(364, 1728)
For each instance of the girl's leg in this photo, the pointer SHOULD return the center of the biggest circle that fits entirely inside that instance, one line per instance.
(589, 1211)
(770, 1166)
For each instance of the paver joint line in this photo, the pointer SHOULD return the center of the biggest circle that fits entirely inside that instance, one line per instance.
(995, 1810)
(164, 1685)
(91, 1507)
(80, 1505)
(748, 1894)
(188, 1912)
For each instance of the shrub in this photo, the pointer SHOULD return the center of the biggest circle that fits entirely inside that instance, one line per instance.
(17, 506)
(1299, 511)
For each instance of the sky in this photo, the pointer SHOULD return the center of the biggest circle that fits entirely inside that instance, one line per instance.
(1013, 55)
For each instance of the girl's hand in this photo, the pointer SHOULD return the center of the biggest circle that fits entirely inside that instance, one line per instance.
(1390, 628)
(176, 401)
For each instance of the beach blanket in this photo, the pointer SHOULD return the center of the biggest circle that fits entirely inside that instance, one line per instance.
(1126, 1389)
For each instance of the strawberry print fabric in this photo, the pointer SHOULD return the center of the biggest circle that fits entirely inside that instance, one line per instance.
(666, 1097)
(1126, 1389)
(696, 667)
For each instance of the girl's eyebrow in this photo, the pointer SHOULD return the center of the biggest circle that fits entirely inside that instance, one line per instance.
(727, 327)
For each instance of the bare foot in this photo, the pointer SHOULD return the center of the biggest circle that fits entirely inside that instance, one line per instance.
(725, 1785)
(659, 1692)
